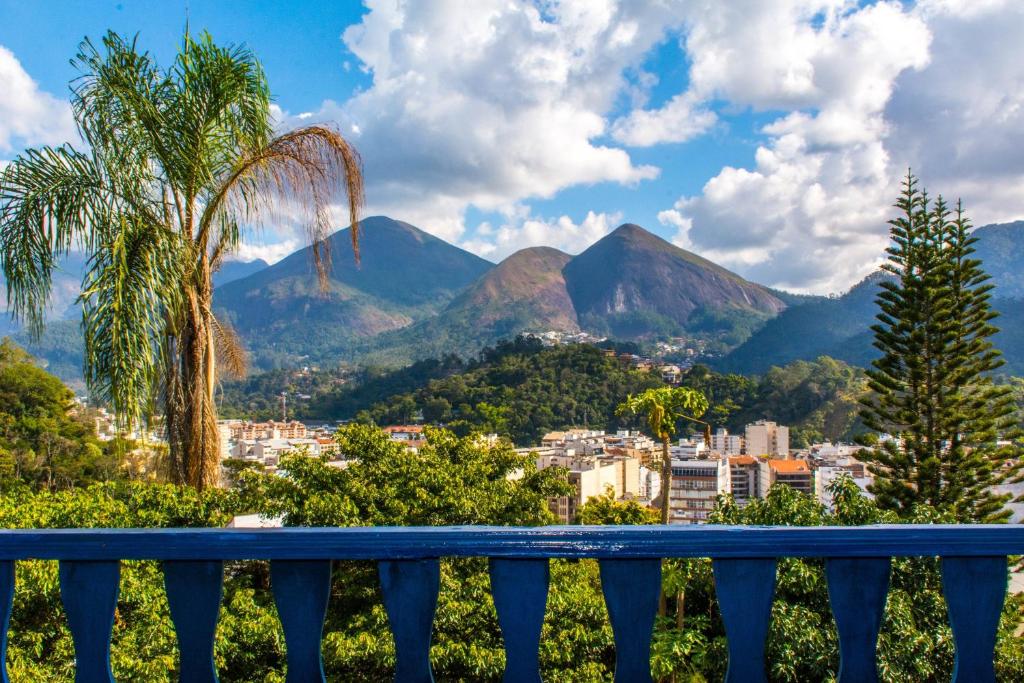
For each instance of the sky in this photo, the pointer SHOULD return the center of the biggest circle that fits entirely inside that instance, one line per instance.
(769, 136)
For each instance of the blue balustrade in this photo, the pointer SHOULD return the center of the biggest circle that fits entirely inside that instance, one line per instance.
(857, 565)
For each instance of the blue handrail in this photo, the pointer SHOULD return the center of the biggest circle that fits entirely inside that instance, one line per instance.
(857, 562)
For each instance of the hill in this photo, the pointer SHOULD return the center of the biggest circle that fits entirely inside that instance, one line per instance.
(521, 389)
(528, 286)
(405, 275)
(631, 283)
(841, 327)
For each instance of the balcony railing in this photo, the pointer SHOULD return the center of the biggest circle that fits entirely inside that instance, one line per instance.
(857, 564)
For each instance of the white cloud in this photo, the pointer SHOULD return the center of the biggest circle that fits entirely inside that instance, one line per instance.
(521, 230)
(29, 116)
(271, 253)
(960, 122)
(810, 214)
(491, 103)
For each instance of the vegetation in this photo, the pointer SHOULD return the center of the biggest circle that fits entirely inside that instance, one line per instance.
(179, 162)
(45, 441)
(932, 389)
(454, 481)
(534, 390)
(664, 408)
(543, 389)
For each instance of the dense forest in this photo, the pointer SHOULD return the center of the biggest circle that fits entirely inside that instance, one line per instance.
(521, 389)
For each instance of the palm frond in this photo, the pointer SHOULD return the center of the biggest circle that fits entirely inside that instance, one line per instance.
(306, 170)
(231, 356)
(50, 199)
(129, 287)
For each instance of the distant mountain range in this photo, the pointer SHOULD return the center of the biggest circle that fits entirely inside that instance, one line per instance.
(840, 327)
(414, 296)
(628, 284)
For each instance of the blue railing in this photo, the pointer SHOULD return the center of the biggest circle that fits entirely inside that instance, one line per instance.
(857, 564)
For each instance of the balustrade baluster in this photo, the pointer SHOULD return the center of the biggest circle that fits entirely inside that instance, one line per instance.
(89, 591)
(6, 604)
(857, 588)
(745, 589)
(975, 589)
(520, 591)
(194, 590)
(301, 591)
(410, 589)
(631, 589)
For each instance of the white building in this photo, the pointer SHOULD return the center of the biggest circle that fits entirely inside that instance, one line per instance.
(695, 487)
(764, 438)
(725, 443)
(688, 449)
(828, 471)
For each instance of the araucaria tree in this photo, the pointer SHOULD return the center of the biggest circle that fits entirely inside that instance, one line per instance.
(932, 391)
(664, 407)
(177, 166)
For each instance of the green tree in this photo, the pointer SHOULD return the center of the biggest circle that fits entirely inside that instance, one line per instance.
(664, 407)
(932, 389)
(46, 441)
(180, 163)
(604, 509)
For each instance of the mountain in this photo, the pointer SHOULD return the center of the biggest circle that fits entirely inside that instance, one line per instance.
(841, 327)
(236, 270)
(528, 286)
(1000, 247)
(826, 327)
(629, 284)
(632, 282)
(405, 275)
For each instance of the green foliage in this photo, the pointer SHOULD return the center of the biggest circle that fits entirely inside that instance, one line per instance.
(817, 399)
(518, 389)
(45, 441)
(932, 387)
(452, 481)
(605, 509)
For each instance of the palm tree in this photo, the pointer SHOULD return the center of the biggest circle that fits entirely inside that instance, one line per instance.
(664, 407)
(179, 165)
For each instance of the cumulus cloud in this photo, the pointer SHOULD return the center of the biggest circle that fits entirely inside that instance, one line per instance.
(960, 122)
(521, 230)
(491, 103)
(271, 252)
(28, 115)
(810, 214)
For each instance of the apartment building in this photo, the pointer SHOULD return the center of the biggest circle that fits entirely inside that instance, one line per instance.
(794, 473)
(695, 487)
(764, 438)
(260, 431)
(743, 478)
(725, 443)
(592, 476)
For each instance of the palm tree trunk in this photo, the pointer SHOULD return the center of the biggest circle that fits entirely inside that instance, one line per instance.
(195, 441)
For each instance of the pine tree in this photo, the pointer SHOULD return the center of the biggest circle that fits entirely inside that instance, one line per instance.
(932, 387)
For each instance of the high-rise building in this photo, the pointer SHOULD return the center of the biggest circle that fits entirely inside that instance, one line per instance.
(725, 443)
(743, 477)
(695, 487)
(764, 438)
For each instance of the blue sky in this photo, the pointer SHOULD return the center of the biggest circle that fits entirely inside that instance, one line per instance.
(766, 135)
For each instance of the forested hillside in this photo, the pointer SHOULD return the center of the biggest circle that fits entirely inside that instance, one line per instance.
(522, 390)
